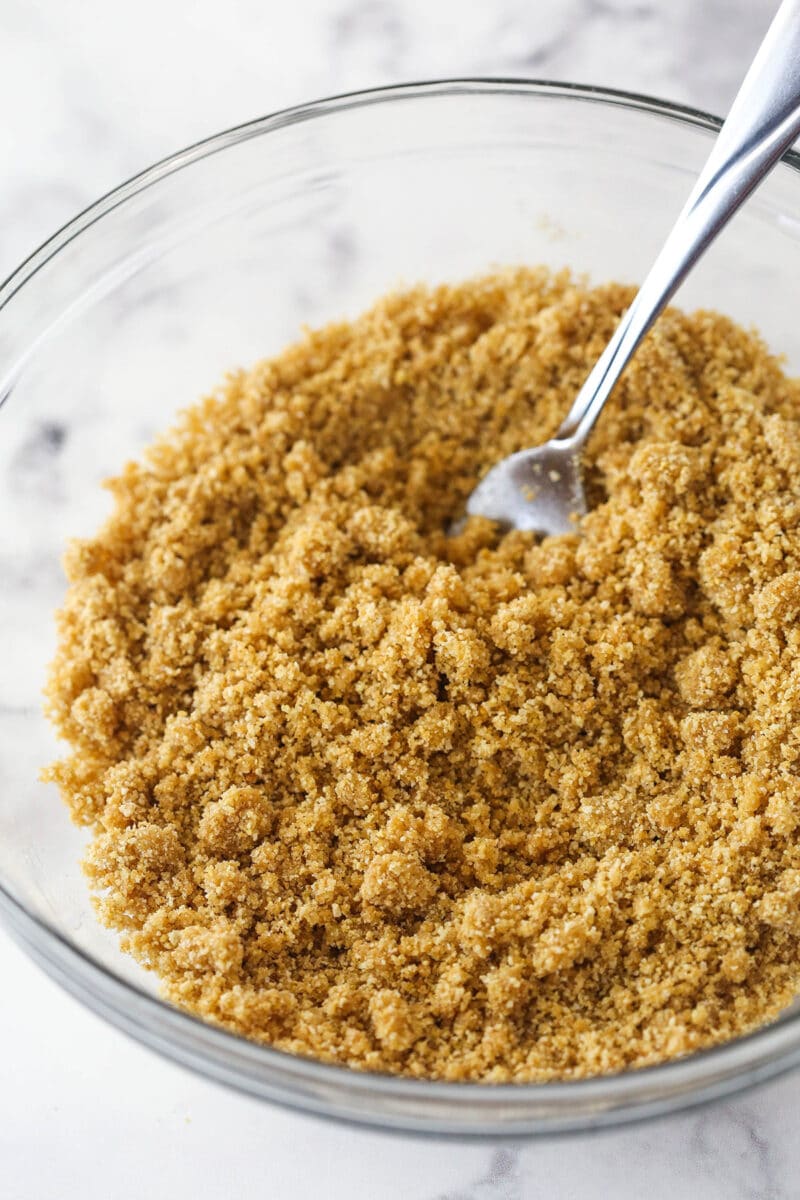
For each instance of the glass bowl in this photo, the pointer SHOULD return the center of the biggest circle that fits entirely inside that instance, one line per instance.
(214, 258)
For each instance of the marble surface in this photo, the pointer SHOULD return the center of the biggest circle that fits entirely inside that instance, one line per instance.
(91, 92)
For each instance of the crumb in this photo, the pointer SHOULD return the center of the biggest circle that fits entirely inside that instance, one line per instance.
(479, 807)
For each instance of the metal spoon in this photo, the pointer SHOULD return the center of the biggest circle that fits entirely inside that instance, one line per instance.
(541, 488)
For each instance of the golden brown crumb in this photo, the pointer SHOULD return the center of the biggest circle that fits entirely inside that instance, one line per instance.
(468, 808)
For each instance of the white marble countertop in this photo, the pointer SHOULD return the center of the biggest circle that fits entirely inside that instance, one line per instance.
(91, 92)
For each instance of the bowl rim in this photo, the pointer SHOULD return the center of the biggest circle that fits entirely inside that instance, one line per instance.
(341, 101)
(418, 1106)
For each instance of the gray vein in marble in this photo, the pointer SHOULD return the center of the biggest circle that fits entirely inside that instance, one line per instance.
(37, 571)
(501, 1181)
(377, 26)
(342, 248)
(730, 1145)
(18, 710)
(34, 469)
(542, 53)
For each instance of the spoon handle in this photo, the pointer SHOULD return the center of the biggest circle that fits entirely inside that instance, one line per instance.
(763, 122)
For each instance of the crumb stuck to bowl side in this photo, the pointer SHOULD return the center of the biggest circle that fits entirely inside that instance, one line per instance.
(477, 807)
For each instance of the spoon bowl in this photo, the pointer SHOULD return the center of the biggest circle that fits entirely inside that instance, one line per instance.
(539, 489)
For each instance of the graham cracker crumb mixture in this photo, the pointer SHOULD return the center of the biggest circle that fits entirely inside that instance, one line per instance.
(478, 807)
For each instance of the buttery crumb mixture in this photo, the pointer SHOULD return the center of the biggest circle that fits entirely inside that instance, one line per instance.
(481, 807)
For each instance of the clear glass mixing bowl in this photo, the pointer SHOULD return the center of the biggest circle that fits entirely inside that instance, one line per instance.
(214, 258)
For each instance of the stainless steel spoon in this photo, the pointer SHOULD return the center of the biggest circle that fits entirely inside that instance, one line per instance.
(541, 488)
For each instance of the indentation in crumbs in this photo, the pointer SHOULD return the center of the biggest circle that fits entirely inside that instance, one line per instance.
(468, 808)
